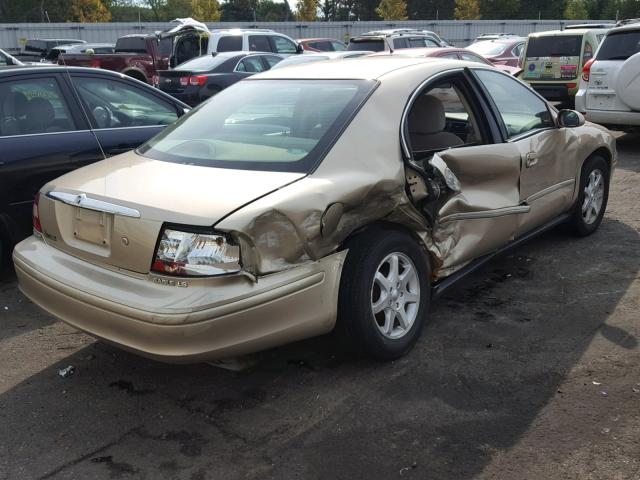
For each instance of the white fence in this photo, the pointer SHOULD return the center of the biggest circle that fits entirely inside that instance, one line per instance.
(459, 32)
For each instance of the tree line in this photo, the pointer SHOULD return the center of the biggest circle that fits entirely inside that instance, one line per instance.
(310, 10)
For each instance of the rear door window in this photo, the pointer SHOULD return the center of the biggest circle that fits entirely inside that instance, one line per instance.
(32, 106)
(400, 43)
(323, 45)
(251, 64)
(231, 43)
(619, 46)
(259, 43)
(283, 45)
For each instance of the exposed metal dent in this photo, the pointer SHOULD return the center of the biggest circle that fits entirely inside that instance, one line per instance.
(498, 212)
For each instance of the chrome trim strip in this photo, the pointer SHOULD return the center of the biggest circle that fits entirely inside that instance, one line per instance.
(83, 201)
(551, 189)
(66, 132)
(498, 212)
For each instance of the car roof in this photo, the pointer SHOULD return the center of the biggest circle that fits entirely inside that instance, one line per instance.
(361, 68)
(315, 39)
(558, 33)
(420, 52)
(624, 28)
(55, 68)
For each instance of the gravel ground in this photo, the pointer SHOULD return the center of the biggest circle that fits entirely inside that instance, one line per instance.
(529, 369)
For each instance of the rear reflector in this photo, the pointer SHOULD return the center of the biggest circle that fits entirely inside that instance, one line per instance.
(37, 228)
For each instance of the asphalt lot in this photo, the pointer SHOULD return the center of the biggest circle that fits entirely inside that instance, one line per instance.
(529, 369)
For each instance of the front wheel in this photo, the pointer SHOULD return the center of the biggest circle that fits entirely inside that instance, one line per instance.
(384, 294)
(592, 197)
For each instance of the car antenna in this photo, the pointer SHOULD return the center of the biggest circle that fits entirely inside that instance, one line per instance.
(386, 39)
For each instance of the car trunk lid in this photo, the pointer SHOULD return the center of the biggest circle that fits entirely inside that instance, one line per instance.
(111, 213)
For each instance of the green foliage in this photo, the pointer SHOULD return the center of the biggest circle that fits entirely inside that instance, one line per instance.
(467, 10)
(307, 10)
(89, 11)
(575, 10)
(499, 9)
(392, 10)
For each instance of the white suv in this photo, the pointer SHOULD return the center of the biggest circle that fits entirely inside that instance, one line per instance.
(609, 91)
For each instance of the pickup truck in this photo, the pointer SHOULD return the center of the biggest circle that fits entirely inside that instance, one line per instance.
(138, 56)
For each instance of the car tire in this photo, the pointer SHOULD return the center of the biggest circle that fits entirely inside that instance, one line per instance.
(593, 195)
(375, 317)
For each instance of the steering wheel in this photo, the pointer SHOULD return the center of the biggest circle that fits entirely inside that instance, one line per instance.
(103, 116)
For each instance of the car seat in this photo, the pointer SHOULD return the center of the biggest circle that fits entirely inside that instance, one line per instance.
(427, 122)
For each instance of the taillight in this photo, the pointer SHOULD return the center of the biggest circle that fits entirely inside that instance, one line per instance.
(188, 254)
(587, 69)
(37, 228)
(572, 85)
(199, 80)
(196, 80)
(95, 63)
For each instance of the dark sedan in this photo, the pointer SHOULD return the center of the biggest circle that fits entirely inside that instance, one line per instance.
(201, 78)
(56, 119)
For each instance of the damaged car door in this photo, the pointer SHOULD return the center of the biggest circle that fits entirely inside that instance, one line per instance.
(547, 153)
(460, 175)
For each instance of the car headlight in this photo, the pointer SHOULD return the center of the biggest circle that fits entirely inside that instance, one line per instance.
(183, 253)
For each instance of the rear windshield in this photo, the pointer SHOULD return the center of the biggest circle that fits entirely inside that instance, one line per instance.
(619, 46)
(276, 125)
(554, 46)
(373, 44)
(204, 63)
(488, 48)
(131, 45)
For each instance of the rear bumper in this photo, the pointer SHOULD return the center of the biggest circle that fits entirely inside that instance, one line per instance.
(278, 309)
(613, 118)
(559, 92)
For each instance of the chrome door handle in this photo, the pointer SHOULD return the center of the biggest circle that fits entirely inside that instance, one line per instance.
(530, 160)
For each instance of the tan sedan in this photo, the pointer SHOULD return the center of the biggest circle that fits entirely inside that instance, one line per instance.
(344, 193)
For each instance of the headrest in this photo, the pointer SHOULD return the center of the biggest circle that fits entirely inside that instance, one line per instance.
(40, 113)
(14, 104)
(427, 115)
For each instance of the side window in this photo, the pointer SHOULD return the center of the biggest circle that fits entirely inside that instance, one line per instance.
(430, 43)
(283, 45)
(338, 47)
(323, 46)
(250, 65)
(3, 60)
(271, 60)
(517, 50)
(472, 58)
(259, 43)
(115, 104)
(230, 43)
(587, 53)
(521, 110)
(441, 118)
(31, 106)
(400, 43)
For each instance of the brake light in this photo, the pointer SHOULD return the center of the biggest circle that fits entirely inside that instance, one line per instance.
(586, 70)
(95, 63)
(199, 80)
(572, 85)
(37, 228)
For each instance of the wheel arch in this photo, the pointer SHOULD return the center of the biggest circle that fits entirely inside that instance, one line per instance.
(137, 74)
(381, 226)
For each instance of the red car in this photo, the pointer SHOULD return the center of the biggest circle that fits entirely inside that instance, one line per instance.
(322, 45)
(455, 53)
(504, 51)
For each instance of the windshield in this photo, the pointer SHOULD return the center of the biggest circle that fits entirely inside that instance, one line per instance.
(555, 46)
(202, 64)
(373, 45)
(278, 125)
(620, 46)
(488, 48)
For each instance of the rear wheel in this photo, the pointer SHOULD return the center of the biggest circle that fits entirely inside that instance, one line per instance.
(592, 197)
(384, 294)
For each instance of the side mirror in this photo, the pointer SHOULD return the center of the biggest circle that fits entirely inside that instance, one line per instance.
(570, 119)
(299, 48)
